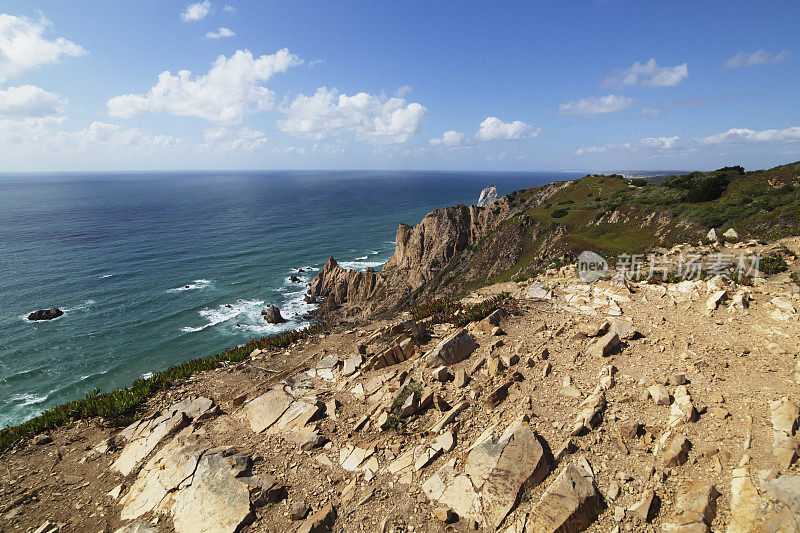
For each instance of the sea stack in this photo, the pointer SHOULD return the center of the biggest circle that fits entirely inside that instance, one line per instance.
(273, 315)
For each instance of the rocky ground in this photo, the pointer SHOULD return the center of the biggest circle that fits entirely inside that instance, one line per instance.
(598, 407)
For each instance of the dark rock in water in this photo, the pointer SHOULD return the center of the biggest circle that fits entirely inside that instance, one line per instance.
(294, 279)
(46, 314)
(301, 269)
(273, 315)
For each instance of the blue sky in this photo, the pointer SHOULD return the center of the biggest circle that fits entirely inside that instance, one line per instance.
(246, 84)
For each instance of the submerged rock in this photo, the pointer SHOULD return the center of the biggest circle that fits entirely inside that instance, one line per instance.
(45, 314)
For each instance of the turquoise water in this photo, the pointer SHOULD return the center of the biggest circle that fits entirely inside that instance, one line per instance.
(153, 269)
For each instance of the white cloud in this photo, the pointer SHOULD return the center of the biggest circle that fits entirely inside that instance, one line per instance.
(744, 135)
(30, 101)
(229, 9)
(759, 57)
(649, 74)
(372, 118)
(732, 137)
(220, 33)
(40, 135)
(196, 11)
(225, 140)
(449, 138)
(494, 129)
(596, 106)
(22, 47)
(230, 91)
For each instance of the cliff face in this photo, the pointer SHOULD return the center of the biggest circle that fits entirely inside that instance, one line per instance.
(335, 286)
(423, 251)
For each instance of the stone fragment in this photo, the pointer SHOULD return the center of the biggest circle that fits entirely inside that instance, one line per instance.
(694, 508)
(605, 345)
(682, 410)
(320, 522)
(642, 509)
(443, 514)
(624, 328)
(677, 451)
(266, 409)
(593, 329)
(497, 331)
(629, 429)
(351, 364)
(490, 322)
(298, 510)
(570, 503)
(441, 374)
(495, 366)
(460, 379)
(590, 414)
(137, 526)
(496, 397)
(713, 301)
(449, 416)
(454, 348)
(785, 416)
(659, 394)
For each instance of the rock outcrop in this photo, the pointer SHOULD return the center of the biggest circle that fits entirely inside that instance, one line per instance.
(488, 196)
(335, 286)
(45, 314)
(273, 315)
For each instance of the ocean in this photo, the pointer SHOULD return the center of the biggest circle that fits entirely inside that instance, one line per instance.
(153, 269)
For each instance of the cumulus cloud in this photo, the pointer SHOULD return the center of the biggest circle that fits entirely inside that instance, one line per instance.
(196, 11)
(596, 106)
(732, 137)
(650, 74)
(229, 9)
(230, 91)
(371, 118)
(494, 129)
(30, 101)
(449, 138)
(759, 57)
(225, 140)
(220, 33)
(23, 47)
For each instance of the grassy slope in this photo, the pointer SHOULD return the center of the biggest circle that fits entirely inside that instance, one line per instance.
(763, 204)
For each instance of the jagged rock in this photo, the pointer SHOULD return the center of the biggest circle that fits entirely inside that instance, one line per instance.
(714, 300)
(490, 322)
(320, 522)
(605, 345)
(643, 509)
(495, 469)
(352, 364)
(570, 503)
(694, 508)
(776, 507)
(204, 489)
(353, 457)
(590, 414)
(454, 348)
(593, 329)
(144, 435)
(712, 235)
(496, 397)
(441, 374)
(731, 235)
(335, 286)
(298, 510)
(449, 416)
(273, 315)
(461, 378)
(677, 451)
(629, 429)
(785, 416)
(659, 394)
(265, 410)
(45, 314)
(487, 197)
(443, 514)
(682, 410)
(624, 328)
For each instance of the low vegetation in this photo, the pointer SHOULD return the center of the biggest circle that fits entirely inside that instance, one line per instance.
(119, 406)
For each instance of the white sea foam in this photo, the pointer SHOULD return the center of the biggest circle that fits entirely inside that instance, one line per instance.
(361, 258)
(374, 252)
(28, 399)
(147, 375)
(361, 265)
(196, 284)
(104, 276)
(226, 312)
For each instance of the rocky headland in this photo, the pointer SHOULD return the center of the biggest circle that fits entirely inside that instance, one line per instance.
(533, 402)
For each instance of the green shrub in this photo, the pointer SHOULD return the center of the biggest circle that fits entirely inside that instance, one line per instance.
(119, 405)
(559, 213)
(772, 264)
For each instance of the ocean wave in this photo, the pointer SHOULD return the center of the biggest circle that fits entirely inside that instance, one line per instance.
(147, 375)
(226, 312)
(374, 252)
(361, 265)
(196, 284)
(361, 258)
(28, 399)
(104, 276)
